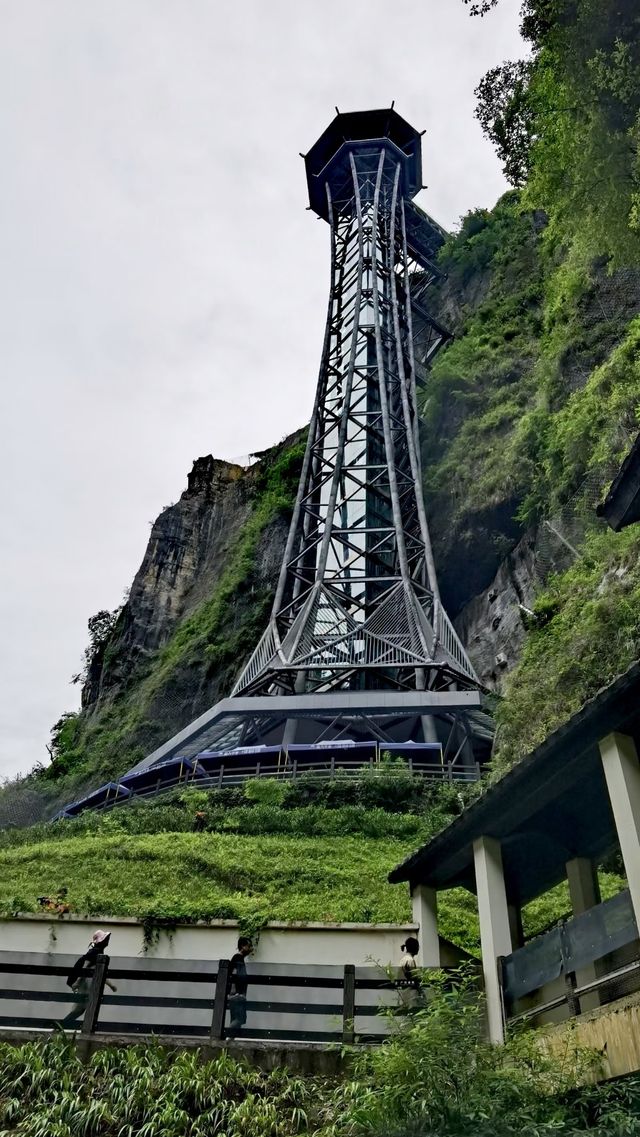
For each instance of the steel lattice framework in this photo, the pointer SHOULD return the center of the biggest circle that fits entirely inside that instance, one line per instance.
(357, 604)
(358, 646)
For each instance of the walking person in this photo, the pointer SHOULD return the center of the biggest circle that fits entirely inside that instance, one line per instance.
(238, 987)
(409, 982)
(81, 974)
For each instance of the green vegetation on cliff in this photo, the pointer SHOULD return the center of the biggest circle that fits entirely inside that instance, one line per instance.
(541, 388)
(201, 655)
(588, 633)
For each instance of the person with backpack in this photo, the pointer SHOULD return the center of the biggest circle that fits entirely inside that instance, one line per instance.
(81, 974)
(238, 987)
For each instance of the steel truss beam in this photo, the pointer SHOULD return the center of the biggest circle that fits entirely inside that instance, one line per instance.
(379, 714)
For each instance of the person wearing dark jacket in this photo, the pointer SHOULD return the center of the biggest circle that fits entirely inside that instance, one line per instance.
(238, 986)
(79, 978)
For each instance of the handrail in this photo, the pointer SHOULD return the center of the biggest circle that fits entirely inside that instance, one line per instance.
(564, 952)
(347, 981)
(229, 775)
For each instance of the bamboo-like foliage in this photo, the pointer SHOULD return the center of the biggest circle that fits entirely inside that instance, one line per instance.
(46, 1091)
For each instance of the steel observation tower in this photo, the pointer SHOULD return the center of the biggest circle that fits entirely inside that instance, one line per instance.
(358, 645)
(357, 606)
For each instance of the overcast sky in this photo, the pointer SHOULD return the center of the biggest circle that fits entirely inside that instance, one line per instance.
(162, 289)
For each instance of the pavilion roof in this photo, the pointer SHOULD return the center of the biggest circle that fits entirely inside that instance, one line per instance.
(550, 807)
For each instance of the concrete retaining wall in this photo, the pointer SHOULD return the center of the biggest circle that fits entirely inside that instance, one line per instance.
(360, 944)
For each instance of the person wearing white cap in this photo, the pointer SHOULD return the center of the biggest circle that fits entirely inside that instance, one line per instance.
(80, 980)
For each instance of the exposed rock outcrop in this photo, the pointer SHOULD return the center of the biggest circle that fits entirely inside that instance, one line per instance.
(189, 547)
(492, 625)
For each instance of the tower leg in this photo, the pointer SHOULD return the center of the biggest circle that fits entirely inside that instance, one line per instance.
(291, 725)
(429, 729)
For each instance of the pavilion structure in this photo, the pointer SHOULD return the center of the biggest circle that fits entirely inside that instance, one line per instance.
(555, 816)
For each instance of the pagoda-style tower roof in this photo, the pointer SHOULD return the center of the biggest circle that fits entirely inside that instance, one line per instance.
(328, 158)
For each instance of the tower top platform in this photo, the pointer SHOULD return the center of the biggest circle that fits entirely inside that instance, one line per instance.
(326, 159)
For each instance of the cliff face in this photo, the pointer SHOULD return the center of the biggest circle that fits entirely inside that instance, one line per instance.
(189, 545)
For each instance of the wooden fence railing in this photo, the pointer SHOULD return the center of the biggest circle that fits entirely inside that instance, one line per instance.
(191, 999)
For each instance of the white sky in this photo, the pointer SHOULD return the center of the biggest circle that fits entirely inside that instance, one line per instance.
(162, 289)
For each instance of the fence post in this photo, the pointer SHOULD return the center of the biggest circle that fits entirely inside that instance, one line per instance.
(333, 766)
(92, 1009)
(220, 1000)
(348, 1004)
(220, 776)
(570, 981)
(573, 1001)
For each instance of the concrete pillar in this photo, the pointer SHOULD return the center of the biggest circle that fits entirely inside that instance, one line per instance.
(424, 902)
(622, 773)
(584, 889)
(584, 893)
(495, 934)
(429, 728)
(291, 725)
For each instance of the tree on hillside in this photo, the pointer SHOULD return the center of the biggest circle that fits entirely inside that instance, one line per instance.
(480, 7)
(506, 116)
(100, 627)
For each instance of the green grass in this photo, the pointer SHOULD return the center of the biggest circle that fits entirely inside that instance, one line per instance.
(588, 634)
(189, 876)
(217, 875)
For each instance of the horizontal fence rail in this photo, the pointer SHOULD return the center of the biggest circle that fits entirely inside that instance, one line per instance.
(583, 956)
(197, 1000)
(193, 775)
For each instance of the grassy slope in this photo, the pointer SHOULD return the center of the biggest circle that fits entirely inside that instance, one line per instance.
(212, 875)
(220, 875)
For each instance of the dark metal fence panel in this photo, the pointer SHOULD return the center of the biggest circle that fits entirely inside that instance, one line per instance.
(598, 932)
(531, 966)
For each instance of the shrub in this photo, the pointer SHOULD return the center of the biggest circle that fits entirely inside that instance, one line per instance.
(438, 1077)
(266, 791)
